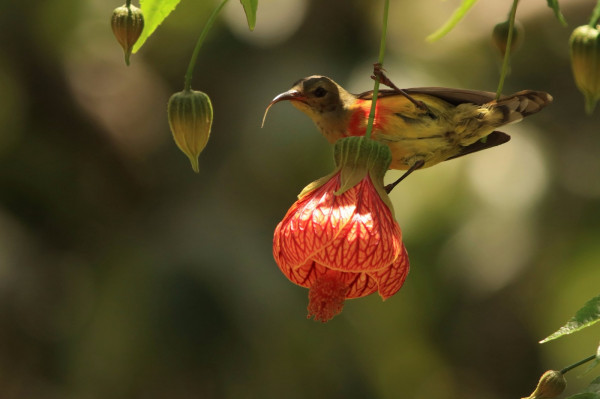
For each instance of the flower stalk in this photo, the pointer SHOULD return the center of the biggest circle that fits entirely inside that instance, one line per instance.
(382, 44)
(577, 364)
(509, 39)
(187, 86)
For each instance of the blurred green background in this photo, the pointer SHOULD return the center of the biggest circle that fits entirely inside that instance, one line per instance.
(125, 275)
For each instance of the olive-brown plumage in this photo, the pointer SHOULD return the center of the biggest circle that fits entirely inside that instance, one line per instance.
(450, 123)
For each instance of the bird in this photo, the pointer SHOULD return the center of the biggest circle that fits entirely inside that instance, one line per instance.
(422, 126)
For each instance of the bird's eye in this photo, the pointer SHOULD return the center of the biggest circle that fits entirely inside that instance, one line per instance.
(320, 92)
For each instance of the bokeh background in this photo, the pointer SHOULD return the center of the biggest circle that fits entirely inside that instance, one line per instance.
(125, 275)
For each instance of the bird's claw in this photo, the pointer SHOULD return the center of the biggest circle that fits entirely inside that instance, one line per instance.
(417, 165)
(379, 74)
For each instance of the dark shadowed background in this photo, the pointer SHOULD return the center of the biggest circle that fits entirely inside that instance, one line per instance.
(125, 275)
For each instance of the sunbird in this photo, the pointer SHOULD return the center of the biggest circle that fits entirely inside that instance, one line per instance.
(422, 126)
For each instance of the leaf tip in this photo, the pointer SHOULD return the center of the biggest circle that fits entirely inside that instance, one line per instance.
(250, 7)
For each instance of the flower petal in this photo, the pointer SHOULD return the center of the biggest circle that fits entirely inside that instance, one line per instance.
(371, 240)
(391, 279)
(304, 275)
(359, 284)
(311, 224)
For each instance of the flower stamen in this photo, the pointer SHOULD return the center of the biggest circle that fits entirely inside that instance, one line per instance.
(326, 297)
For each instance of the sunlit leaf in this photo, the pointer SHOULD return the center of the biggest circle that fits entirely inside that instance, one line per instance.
(250, 7)
(460, 12)
(553, 4)
(155, 12)
(585, 317)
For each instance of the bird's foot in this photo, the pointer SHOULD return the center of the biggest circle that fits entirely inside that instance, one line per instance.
(379, 74)
(417, 165)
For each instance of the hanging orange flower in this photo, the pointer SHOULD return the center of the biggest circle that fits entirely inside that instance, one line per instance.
(340, 239)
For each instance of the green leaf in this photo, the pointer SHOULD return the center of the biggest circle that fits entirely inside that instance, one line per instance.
(591, 392)
(592, 365)
(585, 317)
(594, 386)
(553, 4)
(155, 12)
(586, 395)
(460, 12)
(595, 15)
(250, 7)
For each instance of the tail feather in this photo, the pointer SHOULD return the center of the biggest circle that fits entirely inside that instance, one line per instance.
(521, 104)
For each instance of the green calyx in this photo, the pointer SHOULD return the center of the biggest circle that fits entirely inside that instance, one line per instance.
(355, 157)
(190, 115)
(585, 61)
(127, 23)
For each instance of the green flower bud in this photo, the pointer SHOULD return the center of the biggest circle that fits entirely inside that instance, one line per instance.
(500, 36)
(190, 118)
(127, 24)
(552, 383)
(585, 60)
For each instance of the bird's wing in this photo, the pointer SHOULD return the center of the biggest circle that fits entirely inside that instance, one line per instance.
(452, 96)
(491, 140)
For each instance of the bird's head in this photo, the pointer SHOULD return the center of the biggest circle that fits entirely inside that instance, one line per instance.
(314, 95)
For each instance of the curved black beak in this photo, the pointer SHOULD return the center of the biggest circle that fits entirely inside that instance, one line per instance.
(292, 94)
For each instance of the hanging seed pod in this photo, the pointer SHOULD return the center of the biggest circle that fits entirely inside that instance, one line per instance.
(552, 383)
(585, 60)
(127, 24)
(190, 115)
(500, 36)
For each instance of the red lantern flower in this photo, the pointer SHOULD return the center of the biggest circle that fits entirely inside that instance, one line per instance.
(340, 239)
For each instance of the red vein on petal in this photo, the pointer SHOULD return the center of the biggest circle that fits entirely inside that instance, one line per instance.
(362, 248)
(390, 281)
(311, 224)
